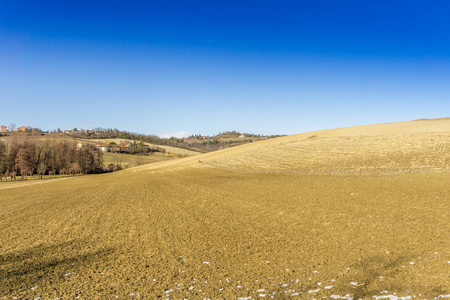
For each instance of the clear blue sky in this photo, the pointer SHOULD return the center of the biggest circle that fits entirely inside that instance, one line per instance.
(271, 67)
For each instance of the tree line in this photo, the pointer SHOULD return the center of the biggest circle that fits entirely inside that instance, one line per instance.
(195, 142)
(26, 157)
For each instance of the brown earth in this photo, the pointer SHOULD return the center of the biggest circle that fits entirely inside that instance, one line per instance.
(200, 228)
(133, 160)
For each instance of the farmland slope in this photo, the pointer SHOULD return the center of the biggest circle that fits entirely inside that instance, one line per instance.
(250, 221)
(419, 146)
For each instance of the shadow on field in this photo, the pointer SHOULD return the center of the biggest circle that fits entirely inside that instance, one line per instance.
(373, 267)
(25, 268)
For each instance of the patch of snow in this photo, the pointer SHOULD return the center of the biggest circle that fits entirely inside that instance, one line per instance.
(392, 297)
(329, 287)
(313, 291)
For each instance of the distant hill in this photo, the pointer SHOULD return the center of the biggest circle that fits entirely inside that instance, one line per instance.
(169, 149)
(405, 147)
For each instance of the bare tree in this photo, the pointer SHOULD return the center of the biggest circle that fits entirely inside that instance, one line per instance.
(75, 168)
(24, 162)
(12, 127)
(3, 158)
(42, 168)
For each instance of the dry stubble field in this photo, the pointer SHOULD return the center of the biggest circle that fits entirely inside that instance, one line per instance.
(132, 160)
(196, 228)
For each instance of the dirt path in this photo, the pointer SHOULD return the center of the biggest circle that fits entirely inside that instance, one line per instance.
(10, 185)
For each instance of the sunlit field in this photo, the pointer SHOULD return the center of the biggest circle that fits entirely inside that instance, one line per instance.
(338, 214)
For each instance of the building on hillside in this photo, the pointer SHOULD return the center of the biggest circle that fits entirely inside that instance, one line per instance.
(103, 147)
(124, 148)
(71, 131)
(3, 128)
(114, 148)
(22, 129)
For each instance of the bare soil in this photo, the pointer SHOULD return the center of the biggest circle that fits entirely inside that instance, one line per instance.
(186, 229)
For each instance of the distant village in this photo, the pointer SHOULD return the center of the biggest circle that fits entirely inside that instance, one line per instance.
(12, 128)
(198, 142)
(5, 130)
(140, 148)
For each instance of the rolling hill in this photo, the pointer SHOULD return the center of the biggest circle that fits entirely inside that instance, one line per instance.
(406, 147)
(348, 213)
(169, 149)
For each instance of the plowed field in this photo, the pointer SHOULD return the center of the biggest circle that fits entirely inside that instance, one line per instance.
(199, 228)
